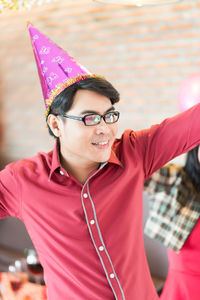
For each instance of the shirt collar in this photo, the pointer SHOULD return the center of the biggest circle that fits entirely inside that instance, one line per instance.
(55, 163)
(114, 159)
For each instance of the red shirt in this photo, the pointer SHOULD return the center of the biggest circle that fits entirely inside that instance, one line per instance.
(90, 237)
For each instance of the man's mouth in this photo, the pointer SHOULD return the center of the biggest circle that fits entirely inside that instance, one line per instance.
(100, 143)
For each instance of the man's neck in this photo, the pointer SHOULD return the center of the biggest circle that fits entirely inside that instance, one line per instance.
(80, 171)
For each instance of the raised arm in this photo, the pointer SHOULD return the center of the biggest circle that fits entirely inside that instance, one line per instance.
(171, 138)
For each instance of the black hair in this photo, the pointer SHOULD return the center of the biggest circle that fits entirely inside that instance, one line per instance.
(63, 102)
(192, 167)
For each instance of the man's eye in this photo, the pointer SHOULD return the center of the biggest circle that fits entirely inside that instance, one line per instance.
(92, 118)
(110, 115)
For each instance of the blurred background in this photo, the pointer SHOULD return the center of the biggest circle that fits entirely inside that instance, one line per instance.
(146, 52)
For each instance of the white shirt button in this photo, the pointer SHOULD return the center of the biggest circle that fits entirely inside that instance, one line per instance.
(101, 248)
(85, 195)
(61, 172)
(92, 222)
(112, 275)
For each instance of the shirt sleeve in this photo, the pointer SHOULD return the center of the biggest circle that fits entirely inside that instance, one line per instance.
(174, 136)
(9, 193)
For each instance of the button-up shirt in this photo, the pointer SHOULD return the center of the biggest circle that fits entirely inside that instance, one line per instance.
(89, 236)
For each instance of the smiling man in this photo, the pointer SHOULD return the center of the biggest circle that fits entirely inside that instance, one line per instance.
(93, 121)
(82, 202)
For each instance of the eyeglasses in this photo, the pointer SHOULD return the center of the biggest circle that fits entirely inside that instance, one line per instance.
(94, 119)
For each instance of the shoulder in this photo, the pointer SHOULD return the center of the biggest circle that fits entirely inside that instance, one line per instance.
(127, 147)
(130, 137)
(32, 164)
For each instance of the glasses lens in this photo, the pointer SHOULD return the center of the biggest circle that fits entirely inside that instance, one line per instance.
(92, 120)
(111, 117)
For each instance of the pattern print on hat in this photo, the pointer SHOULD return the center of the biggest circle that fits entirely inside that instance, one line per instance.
(56, 68)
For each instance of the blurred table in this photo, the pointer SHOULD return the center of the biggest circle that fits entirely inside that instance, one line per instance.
(27, 291)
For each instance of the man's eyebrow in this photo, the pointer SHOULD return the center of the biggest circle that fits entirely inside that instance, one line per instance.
(85, 112)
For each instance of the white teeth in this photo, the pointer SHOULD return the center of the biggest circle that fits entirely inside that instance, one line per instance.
(101, 144)
(104, 143)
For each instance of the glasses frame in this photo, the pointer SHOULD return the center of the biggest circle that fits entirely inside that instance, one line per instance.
(83, 118)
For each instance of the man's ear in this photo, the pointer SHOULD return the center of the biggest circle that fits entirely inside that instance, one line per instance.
(54, 123)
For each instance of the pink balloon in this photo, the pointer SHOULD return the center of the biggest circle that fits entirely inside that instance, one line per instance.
(189, 92)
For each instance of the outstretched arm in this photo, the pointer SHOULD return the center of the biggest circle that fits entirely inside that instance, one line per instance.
(174, 136)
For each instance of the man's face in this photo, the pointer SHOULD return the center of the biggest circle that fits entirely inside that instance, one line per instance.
(87, 144)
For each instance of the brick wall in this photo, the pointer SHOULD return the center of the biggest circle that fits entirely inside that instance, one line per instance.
(145, 52)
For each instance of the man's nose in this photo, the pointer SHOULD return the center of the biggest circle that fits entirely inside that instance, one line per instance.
(102, 127)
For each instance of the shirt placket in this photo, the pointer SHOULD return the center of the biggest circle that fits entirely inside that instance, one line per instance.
(98, 242)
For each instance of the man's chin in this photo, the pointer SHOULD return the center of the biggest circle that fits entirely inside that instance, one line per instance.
(103, 159)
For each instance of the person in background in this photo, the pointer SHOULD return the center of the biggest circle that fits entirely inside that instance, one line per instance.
(174, 220)
(82, 202)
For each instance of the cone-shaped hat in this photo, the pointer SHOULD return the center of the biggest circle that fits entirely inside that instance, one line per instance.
(57, 69)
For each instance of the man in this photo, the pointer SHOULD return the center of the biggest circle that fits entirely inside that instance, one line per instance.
(82, 202)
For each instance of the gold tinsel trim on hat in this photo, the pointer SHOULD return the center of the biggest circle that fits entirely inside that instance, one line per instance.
(20, 4)
(62, 86)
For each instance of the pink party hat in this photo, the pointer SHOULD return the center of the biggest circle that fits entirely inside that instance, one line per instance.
(56, 68)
